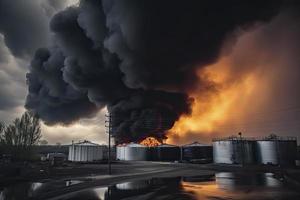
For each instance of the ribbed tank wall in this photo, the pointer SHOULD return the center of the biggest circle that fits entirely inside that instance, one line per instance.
(152, 154)
(197, 152)
(71, 153)
(223, 152)
(276, 152)
(234, 152)
(122, 153)
(118, 153)
(168, 153)
(248, 152)
(135, 153)
(86, 153)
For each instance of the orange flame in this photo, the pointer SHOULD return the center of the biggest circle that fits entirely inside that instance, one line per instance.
(212, 107)
(150, 142)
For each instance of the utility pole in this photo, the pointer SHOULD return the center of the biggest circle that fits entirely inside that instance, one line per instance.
(108, 130)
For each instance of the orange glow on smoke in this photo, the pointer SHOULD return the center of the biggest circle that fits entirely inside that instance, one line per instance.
(150, 142)
(213, 108)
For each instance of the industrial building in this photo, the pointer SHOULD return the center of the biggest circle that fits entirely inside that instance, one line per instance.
(87, 152)
(196, 152)
(270, 150)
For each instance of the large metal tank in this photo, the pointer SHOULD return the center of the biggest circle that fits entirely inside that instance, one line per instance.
(197, 151)
(132, 151)
(86, 152)
(277, 151)
(234, 151)
(167, 152)
(120, 152)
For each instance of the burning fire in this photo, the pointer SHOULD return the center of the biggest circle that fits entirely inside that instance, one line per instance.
(213, 108)
(150, 142)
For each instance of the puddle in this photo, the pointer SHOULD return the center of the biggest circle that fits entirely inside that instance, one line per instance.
(27, 190)
(221, 186)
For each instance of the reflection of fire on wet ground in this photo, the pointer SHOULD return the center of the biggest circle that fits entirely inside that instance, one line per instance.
(221, 186)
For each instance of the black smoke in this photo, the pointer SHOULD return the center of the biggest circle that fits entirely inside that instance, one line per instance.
(137, 57)
(49, 95)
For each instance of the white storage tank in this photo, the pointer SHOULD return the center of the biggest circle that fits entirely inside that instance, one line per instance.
(132, 151)
(120, 152)
(87, 152)
(234, 150)
(277, 151)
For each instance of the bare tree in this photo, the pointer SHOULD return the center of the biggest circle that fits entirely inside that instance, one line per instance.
(2, 127)
(19, 137)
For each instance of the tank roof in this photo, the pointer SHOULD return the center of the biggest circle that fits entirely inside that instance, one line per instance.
(195, 144)
(166, 145)
(230, 138)
(278, 138)
(86, 143)
(268, 138)
(134, 145)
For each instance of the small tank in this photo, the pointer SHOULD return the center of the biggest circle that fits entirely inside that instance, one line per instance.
(167, 152)
(197, 152)
(132, 151)
(86, 152)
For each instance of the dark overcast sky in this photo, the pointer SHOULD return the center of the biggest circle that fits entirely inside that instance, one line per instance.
(140, 59)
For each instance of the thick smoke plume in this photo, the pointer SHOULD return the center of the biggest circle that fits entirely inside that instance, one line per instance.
(139, 58)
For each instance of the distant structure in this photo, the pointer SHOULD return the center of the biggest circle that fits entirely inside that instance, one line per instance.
(272, 150)
(87, 151)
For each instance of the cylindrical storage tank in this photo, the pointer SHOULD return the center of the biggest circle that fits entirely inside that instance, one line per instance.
(135, 151)
(248, 152)
(234, 151)
(120, 152)
(276, 151)
(197, 151)
(86, 152)
(167, 152)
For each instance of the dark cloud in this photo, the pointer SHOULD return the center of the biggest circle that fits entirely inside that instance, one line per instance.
(136, 57)
(24, 26)
(53, 99)
(12, 81)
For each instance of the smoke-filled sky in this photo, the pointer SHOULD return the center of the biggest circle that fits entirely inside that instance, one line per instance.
(182, 70)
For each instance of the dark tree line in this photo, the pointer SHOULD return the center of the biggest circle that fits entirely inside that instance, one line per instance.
(17, 138)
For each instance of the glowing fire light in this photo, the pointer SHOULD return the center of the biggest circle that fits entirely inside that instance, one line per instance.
(211, 109)
(150, 142)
